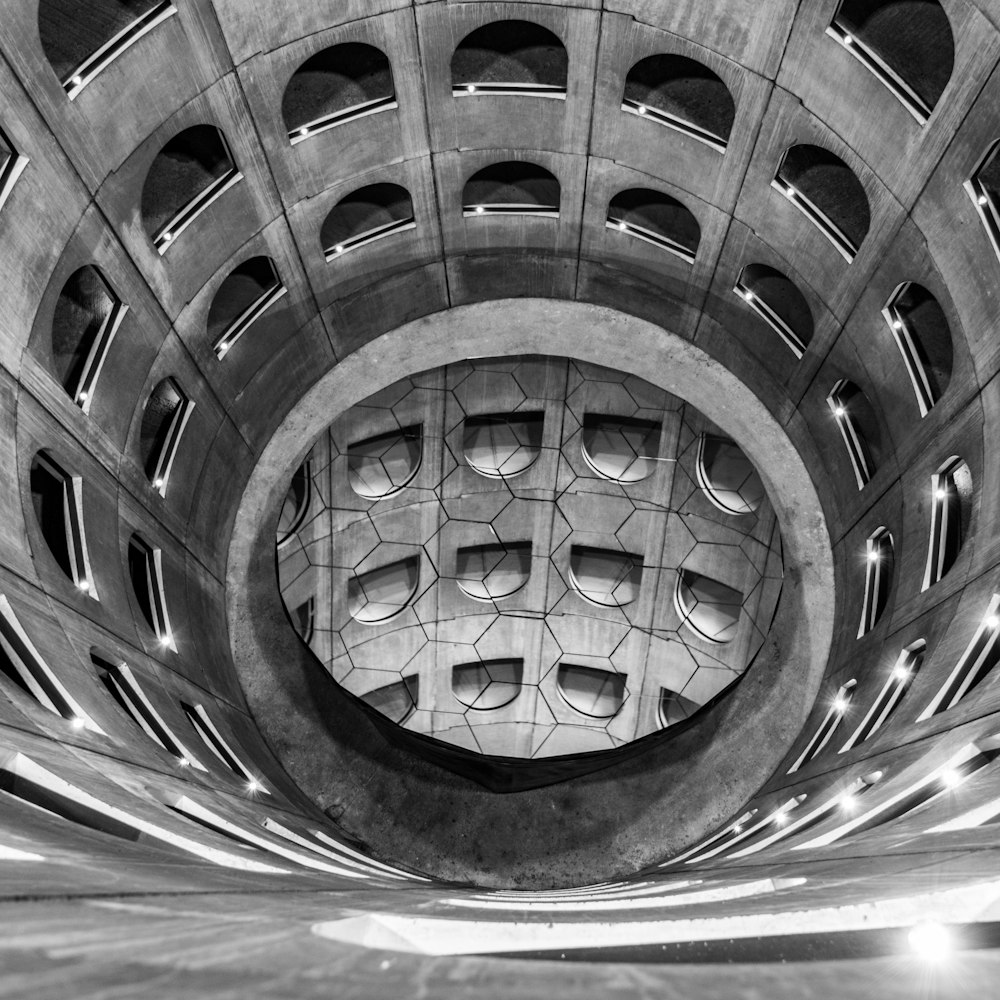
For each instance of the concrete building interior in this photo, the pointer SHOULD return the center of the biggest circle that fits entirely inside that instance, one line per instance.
(499, 498)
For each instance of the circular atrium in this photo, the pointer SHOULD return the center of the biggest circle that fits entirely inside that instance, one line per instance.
(500, 498)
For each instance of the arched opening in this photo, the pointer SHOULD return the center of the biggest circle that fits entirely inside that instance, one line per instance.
(683, 94)
(189, 173)
(12, 165)
(86, 318)
(921, 332)
(492, 572)
(396, 701)
(381, 466)
(57, 498)
(510, 57)
(596, 693)
(381, 594)
(907, 44)
(340, 84)
(610, 579)
(145, 570)
(371, 213)
(656, 218)
(79, 42)
(879, 565)
(247, 292)
(164, 418)
(709, 608)
(488, 684)
(779, 303)
(512, 188)
(673, 708)
(501, 446)
(951, 516)
(622, 449)
(727, 476)
(859, 427)
(828, 193)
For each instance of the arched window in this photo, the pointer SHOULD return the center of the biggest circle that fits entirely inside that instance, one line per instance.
(835, 714)
(726, 475)
(828, 193)
(779, 303)
(605, 577)
(951, 513)
(492, 572)
(364, 216)
(87, 317)
(983, 187)
(58, 501)
(80, 41)
(673, 708)
(709, 608)
(906, 44)
(511, 188)
(396, 701)
(896, 684)
(339, 84)
(683, 94)
(145, 570)
(656, 218)
(249, 290)
(163, 421)
(304, 619)
(191, 171)
(12, 165)
(622, 449)
(859, 428)
(921, 332)
(878, 578)
(599, 694)
(295, 507)
(510, 57)
(381, 466)
(501, 446)
(488, 684)
(379, 594)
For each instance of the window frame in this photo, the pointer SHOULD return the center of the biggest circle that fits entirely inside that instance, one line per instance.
(152, 557)
(944, 511)
(250, 314)
(835, 714)
(878, 553)
(752, 299)
(854, 441)
(900, 677)
(909, 349)
(167, 451)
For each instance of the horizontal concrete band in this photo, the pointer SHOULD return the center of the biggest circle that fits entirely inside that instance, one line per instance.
(598, 826)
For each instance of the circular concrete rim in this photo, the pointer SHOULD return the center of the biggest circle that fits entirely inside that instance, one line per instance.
(795, 654)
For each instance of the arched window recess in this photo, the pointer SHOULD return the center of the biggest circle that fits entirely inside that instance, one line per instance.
(166, 415)
(682, 94)
(907, 46)
(211, 736)
(854, 416)
(827, 192)
(396, 701)
(512, 188)
(727, 476)
(245, 295)
(710, 609)
(596, 693)
(951, 512)
(983, 187)
(655, 218)
(896, 684)
(118, 23)
(488, 684)
(920, 330)
(508, 58)
(776, 300)
(878, 578)
(12, 165)
(87, 316)
(295, 507)
(338, 85)
(145, 567)
(193, 170)
(371, 213)
(834, 716)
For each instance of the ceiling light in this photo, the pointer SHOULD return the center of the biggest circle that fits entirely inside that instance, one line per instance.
(84, 585)
(184, 762)
(982, 200)
(874, 556)
(82, 396)
(748, 295)
(737, 828)
(848, 801)
(76, 722)
(839, 411)
(848, 40)
(480, 209)
(158, 482)
(641, 109)
(471, 88)
(165, 639)
(930, 941)
(167, 237)
(339, 248)
(839, 705)
(76, 81)
(901, 673)
(790, 191)
(253, 785)
(622, 226)
(780, 818)
(952, 778)
(897, 324)
(940, 493)
(304, 131)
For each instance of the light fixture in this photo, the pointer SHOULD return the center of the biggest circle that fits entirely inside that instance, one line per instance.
(931, 941)
(940, 493)
(901, 673)
(165, 639)
(848, 40)
(158, 482)
(622, 226)
(76, 81)
(167, 237)
(780, 818)
(790, 191)
(641, 109)
(839, 411)
(952, 778)
(748, 295)
(304, 131)
(339, 248)
(84, 585)
(839, 705)
(737, 828)
(982, 200)
(82, 396)
(471, 89)
(992, 621)
(897, 324)
(874, 556)
(848, 801)
(184, 762)
(76, 722)
(253, 785)
(480, 209)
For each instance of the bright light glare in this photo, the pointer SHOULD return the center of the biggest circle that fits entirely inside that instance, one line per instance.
(641, 109)
(471, 88)
(941, 494)
(930, 941)
(873, 556)
(952, 779)
(839, 411)
(77, 723)
(991, 621)
(848, 801)
(982, 199)
(839, 706)
(253, 785)
(900, 673)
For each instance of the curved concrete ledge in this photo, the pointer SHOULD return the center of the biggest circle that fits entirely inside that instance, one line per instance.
(598, 826)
